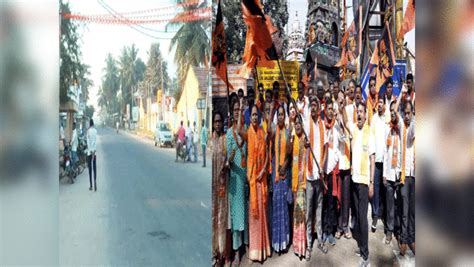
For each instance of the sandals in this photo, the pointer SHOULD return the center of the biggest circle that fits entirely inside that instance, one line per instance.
(338, 235)
(323, 248)
(348, 235)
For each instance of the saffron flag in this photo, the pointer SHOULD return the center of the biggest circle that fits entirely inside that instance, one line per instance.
(383, 58)
(258, 42)
(351, 42)
(408, 20)
(219, 48)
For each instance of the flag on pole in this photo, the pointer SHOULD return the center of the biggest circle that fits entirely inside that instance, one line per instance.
(408, 20)
(351, 42)
(381, 63)
(258, 41)
(219, 48)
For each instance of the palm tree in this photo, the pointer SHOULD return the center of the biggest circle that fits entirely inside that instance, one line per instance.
(192, 42)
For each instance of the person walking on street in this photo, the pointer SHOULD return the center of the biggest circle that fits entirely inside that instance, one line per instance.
(195, 141)
(189, 141)
(204, 138)
(74, 144)
(91, 153)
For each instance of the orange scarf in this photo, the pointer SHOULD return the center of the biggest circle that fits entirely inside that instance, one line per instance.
(298, 172)
(281, 150)
(393, 135)
(371, 103)
(265, 131)
(256, 160)
(404, 154)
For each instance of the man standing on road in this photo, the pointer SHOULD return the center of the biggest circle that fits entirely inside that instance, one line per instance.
(204, 138)
(189, 141)
(74, 143)
(195, 141)
(362, 187)
(91, 157)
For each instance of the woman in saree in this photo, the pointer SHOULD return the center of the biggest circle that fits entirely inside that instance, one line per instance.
(236, 155)
(298, 173)
(257, 162)
(220, 221)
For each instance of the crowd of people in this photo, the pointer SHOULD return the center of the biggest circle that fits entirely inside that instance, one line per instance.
(287, 173)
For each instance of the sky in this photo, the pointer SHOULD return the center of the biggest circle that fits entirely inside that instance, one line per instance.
(100, 39)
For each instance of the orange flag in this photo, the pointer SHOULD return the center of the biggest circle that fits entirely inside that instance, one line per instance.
(408, 20)
(219, 48)
(258, 42)
(383, 57)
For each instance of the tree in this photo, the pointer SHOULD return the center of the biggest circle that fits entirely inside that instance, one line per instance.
(70, 67)
(156, 66)
(89, 112)
(131, 72)
(192, 42)
(110, 86)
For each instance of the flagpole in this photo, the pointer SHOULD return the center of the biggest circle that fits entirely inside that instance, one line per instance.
(288, 92)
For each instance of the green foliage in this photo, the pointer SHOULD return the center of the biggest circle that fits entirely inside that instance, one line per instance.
(192, 43)
(89, 112)
(154, 71)
(70, 67)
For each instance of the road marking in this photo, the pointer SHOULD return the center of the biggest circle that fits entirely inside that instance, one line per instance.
(204, 206)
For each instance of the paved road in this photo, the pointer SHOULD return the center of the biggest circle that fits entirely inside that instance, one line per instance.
(148, 210)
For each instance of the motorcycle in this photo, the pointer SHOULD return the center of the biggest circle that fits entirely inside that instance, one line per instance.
(66, 169)
(181, 150)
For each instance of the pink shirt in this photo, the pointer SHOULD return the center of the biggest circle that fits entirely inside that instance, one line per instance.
(181, 134)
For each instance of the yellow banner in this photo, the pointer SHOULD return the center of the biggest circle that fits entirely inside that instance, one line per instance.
(267, 76)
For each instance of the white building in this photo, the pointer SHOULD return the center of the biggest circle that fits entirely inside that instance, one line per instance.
(296, 42)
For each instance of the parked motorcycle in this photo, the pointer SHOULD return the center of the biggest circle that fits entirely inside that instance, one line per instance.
(66, 169)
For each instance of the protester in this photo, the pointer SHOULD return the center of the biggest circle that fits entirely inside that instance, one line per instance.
(257, 160)
(281, 193)
(236, 154)
(363, 150)
(392, 168)
(220, 253)
(298, 183)
(407, 180)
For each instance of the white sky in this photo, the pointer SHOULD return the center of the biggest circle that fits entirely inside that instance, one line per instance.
(100, 39)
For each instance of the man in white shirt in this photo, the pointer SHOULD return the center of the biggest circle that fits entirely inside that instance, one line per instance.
(74, 143)
(302, 102)
(331, 168)
(189, 141)
(378, 128)
(391, 169)
(344, 174)
(195, 141)
(91, 153)
(407, 180)
(363, 164)
(314, 127)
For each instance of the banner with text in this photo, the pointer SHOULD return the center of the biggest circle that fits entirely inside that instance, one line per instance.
(267, 76)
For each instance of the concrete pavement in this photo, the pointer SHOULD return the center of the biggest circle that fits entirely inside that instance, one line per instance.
(148, 210)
